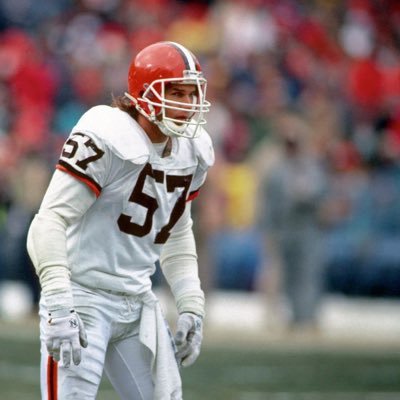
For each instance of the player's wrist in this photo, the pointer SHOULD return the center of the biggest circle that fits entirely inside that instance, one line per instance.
(191, 313)
(191, 304)
(56, 288)
(59, 303)
(61, 313)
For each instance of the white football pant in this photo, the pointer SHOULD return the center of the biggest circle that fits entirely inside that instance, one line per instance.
(112, 326)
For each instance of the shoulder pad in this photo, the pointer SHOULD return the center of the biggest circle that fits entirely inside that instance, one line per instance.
(204, 149)
(118, 130)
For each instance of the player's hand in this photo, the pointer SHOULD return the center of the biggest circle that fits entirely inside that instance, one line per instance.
(65, 334)
(188, 338)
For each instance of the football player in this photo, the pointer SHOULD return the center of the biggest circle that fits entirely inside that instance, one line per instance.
(118, 202)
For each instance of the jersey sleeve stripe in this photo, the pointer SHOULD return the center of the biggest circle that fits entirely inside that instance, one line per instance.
(193, 195)
(91, 183)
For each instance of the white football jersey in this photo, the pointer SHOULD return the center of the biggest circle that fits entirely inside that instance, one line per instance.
(140, 197)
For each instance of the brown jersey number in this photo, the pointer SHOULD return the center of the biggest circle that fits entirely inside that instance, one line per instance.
(139, 197)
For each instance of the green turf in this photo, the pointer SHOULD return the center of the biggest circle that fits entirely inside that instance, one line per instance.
(238, 374)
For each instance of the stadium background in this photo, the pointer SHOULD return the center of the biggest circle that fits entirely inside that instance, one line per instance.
(330, 68)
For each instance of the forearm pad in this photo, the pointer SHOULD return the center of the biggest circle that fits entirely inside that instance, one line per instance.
(46, 246)
(179, 265)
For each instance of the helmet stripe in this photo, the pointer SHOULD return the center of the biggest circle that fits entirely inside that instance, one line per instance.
(187, 56)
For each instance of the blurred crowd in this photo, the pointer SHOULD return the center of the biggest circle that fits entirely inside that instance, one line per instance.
(316, 80)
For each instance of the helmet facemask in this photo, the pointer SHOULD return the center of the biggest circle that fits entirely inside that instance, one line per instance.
(154, 105)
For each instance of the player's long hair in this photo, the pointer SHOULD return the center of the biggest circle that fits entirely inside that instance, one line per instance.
(124, 104)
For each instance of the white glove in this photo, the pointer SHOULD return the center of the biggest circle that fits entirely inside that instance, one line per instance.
(188, 338)
(65, 334)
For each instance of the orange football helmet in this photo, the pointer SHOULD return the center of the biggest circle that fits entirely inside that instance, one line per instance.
(151, 70)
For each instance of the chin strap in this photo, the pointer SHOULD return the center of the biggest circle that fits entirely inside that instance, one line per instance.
(169, 128)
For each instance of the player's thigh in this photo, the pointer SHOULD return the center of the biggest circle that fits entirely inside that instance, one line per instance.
(78, 381)
(128, 367)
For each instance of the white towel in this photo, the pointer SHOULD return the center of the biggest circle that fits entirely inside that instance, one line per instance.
(155, 335)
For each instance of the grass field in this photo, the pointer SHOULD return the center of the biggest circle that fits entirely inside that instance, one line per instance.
(282, 371)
